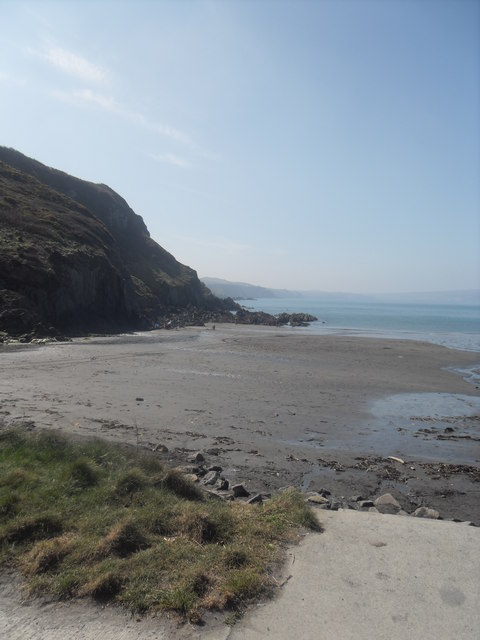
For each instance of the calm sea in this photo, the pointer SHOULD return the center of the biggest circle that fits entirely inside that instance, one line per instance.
(453, 326)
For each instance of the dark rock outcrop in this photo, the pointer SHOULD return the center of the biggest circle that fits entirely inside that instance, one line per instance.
(75, 258)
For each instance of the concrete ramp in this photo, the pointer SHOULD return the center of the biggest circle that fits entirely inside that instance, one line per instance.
(373, 576)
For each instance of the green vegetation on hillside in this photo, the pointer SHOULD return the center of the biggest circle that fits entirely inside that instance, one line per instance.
(90, 519)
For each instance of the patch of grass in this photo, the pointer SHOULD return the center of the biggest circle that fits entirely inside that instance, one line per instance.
(90, 519)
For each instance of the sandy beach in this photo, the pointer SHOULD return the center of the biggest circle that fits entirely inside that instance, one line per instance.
(272, 407)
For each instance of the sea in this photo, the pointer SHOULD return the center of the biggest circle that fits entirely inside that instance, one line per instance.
(452, 326)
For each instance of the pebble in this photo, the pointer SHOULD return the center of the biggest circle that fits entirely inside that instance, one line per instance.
(196, 457)
(426, 512)
(210, 478)
(239, 491)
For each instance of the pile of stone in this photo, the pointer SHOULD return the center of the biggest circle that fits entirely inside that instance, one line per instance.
(212, 480)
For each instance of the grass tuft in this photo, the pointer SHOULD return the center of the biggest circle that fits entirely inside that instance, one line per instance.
(123, 539)
(181, 486)
(131, 482)
(103, 587)
(33, 528)
(46, 555)
(83, 474)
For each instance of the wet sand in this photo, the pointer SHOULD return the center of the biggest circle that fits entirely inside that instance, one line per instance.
(272, 407)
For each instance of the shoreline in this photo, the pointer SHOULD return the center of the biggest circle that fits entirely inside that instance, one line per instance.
(270, 407)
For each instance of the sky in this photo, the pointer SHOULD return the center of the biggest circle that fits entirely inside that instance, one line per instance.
(330, 145)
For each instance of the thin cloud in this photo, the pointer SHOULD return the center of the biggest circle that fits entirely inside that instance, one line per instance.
(104, 102)
(170, 158)
(108, 103)
(75, 65)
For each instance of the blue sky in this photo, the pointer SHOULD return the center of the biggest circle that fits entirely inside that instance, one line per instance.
(327, 145)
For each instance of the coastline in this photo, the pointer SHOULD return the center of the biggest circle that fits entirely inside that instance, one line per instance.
(272, 407)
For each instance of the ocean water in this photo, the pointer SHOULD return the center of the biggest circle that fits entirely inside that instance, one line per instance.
(454, 326)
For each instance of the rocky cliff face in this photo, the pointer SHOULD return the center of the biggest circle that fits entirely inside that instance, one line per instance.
(75, 258)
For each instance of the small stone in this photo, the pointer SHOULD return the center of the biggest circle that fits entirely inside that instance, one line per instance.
(215, 467)
(426, 512)
(162, 448)
(191, 476)
(318, 499)
(258, 498)
(373, 510)
(335, 505)
(356, 498)
(196, 457)
(188, 468)
(222, 484)
(210, 478)
(138, 399)
(217, 496)
(387, 504)
(324, 492)
(365, 504)
(239, 491)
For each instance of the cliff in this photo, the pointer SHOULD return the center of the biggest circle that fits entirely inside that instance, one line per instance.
(75, 258)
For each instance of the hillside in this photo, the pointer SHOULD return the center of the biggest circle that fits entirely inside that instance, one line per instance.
(75, 258)
(245, 291)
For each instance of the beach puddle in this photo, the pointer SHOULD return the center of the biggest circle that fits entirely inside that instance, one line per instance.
(437, 426)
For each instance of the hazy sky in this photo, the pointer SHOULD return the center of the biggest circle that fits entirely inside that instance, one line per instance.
(307, 144)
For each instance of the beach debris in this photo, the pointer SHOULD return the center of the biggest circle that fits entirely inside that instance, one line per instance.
(395, 459)
(239, 491)
(426, 512)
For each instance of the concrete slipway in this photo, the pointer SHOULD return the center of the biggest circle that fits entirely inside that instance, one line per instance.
(368, 576)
